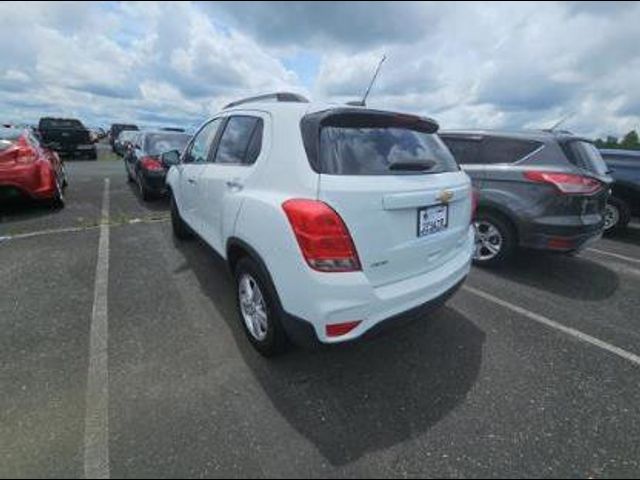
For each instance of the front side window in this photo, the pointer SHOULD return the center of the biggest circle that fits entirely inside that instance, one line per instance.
(202, 143)
(240, 143)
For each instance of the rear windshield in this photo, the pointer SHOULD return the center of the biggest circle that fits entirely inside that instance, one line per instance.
(382, 151)
(585, 155)
(159, 143)
(60, 123)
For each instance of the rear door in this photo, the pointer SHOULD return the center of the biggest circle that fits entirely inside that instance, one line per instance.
(401, 194)
(227, 175)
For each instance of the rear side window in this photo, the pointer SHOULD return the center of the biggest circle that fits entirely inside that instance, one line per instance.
(241, 141)
(585, 155)
(505, 150)
(380, 150)
(465, 150)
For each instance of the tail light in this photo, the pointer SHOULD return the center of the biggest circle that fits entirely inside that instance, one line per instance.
(151, 164)
(323, 237)
(566, 183)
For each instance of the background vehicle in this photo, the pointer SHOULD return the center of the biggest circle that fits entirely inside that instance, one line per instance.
(124, 140)
(28, 169)
(67, 136)
(115, 130)
(543, 190)
(624, 202)
(333, 219)
(143, 163)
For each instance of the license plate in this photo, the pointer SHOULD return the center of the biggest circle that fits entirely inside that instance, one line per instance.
(432, 220)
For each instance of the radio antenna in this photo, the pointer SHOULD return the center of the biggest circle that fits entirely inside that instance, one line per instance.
(363, 102)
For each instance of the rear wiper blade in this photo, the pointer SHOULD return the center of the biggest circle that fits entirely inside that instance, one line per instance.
(419, 165)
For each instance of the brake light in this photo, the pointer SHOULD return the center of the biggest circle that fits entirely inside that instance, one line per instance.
(323, 237)
(151, 164)
(566, 183)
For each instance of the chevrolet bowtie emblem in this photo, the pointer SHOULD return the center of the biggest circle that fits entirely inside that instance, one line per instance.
(445, 196)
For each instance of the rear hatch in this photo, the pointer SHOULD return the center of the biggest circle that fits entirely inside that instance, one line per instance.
(587, 158)
(397, 187)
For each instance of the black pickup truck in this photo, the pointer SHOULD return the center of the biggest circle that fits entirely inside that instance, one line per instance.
(67, 136)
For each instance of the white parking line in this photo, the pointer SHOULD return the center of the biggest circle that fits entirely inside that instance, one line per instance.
(614, 255)
(635, 359)
(96, 433)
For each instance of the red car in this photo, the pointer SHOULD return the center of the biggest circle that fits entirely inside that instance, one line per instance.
(28, 169)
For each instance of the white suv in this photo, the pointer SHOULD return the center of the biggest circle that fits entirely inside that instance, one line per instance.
(333, 219)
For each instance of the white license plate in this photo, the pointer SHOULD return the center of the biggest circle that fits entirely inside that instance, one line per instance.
(432, 219)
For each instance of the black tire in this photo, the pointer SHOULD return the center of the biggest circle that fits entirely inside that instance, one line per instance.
(58, 201)
(275, 341)
(508, 236)
(622, 211)
(145, 194)
(180, 229)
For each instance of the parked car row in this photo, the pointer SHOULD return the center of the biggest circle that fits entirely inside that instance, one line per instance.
(338, 220)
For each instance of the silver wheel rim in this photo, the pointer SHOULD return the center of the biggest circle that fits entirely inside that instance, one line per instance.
(489, 241)
(611, 216)
(253, 307)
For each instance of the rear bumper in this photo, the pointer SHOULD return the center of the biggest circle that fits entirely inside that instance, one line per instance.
(354, 299)
(563, 234)
(35, 181)
(154, 181)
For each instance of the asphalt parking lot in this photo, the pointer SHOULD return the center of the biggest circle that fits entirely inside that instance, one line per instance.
(531, 371)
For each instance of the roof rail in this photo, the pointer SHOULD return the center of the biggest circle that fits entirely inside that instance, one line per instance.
(270, 97)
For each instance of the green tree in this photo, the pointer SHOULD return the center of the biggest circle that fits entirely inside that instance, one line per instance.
(630, 141)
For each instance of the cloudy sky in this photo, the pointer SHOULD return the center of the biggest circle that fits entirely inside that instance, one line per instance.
(490, 65)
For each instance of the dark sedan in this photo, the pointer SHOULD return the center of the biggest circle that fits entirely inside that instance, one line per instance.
(144, 165)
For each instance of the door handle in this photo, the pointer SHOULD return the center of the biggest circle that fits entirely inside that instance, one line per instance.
(234, 185)
(191, 181)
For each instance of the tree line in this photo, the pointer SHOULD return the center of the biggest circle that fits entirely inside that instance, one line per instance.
(630, 141)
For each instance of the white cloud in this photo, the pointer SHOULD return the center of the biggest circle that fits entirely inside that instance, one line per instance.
(467, 64)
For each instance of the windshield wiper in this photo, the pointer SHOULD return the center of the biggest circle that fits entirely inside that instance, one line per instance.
(417, 165)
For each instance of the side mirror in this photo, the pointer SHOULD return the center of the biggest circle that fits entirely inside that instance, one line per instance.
(170, 158)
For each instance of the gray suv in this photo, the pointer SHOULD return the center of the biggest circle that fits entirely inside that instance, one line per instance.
(539, 189)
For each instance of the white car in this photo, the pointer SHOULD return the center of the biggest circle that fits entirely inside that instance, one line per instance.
(333, 219)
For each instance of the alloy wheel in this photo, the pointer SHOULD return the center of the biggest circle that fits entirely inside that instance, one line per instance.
(253, 307)
(611, 216)
(489, 241)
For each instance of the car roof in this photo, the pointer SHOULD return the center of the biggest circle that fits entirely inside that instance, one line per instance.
(300, 109)
(537, 135)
